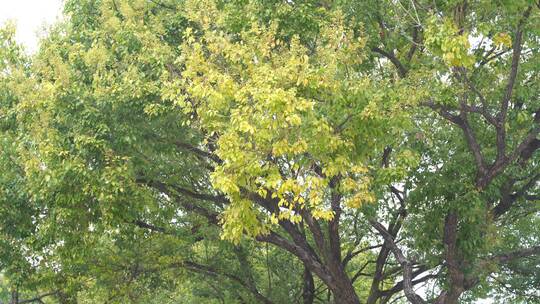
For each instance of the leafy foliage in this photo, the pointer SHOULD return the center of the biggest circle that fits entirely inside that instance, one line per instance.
(272, 152)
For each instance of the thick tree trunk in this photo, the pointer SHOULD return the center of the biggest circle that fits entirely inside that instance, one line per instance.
(341, 286)
(332, 274)
(308, 293)
(447, 298)
(344, 293)
(453, 260)
(14, 297)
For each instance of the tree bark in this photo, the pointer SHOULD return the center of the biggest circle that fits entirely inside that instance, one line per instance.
(14, 297)
(453, 261)
(344, 292)
(308, 293)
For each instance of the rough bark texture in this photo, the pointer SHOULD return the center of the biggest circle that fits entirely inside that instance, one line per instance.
(14, 297)
(308, 292)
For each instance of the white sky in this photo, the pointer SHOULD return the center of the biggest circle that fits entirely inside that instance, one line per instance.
(30, 16)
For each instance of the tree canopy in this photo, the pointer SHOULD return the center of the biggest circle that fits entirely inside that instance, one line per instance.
(250, 151)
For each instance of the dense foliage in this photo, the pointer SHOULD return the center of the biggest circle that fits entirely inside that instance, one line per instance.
(250, 151)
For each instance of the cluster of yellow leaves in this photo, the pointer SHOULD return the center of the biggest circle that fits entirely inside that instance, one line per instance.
(357, 189)
(260, 97)
(242, 211)
(445, 40)
(502, 39)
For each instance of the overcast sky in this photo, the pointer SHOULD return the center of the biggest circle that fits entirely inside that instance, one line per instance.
(30, 17)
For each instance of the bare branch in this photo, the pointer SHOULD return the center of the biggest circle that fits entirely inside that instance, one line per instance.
(462, 122)
(501, 163)
(406, 264)
(39, 298)
(352, 254)
(304, 255)
(402, 71)
(193, 266)
(509, 198)
(197, 151)
(399, 286)
(145, 225)
(516, 54)
(517, 254)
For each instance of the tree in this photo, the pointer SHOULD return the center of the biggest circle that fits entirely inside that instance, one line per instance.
(374, 146)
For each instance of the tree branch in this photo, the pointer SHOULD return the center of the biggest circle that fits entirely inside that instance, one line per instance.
(215, 272)
(470, 138)
(402, 71)
(304, 255)
(520, 253)
(406, 264)
(516, 54)
(38, 298)
(509, 198)
(199, 152)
